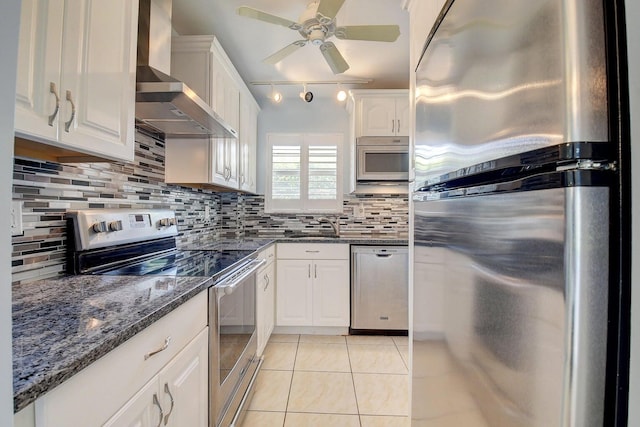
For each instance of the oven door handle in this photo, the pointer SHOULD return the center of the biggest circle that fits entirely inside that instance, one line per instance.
(229, 285)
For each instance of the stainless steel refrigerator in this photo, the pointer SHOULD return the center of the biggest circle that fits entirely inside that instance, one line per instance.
(515, 217)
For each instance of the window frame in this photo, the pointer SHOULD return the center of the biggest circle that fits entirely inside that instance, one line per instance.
(304, 204)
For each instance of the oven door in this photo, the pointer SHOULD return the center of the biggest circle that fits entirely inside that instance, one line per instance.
(382, 163)
(233, 342)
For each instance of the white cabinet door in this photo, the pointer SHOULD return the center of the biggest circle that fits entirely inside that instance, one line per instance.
(184, 385)
(231, 103)
(231, 156)
(178, 394)
(378, 116)
(248, 144)
(39, 64)
(218, 80)
(403, 116)
(142, 410)
(225, 162)
(98, 77)
(270, 306)
(294, 304)
(83, 52)
(265, 305)
(331, 293)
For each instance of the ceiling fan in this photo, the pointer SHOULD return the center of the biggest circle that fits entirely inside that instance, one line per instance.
(318, 23)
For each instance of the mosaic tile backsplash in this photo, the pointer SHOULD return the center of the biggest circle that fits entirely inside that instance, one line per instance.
(50, 189)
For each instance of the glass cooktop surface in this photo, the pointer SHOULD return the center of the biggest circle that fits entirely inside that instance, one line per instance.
(184, 263)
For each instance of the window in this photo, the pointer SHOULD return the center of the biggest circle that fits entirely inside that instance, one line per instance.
(304, 173)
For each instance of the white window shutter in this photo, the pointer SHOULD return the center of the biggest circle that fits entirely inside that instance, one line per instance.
(304, 173)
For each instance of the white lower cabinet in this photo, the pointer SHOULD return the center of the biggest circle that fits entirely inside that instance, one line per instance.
(162, 368)
(178, 394)
(331, 293)
(265, 298)
(312, 290)
(294, 293)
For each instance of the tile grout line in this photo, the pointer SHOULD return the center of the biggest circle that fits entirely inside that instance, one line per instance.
(293, 371)
(353, 383)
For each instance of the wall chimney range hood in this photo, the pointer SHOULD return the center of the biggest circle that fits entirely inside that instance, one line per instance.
(163, 103)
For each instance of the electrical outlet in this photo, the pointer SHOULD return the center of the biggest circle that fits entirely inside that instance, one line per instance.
(358, 211)
(16, 218)
(207, 213)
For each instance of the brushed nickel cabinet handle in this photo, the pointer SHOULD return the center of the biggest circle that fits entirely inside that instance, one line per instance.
(54, 91)
(315, 271)
(167, 391)
(393, 124)
(157, 403)
(67, 125)
(268, 282)
(309, 271)
(398, 125)
(163, 348)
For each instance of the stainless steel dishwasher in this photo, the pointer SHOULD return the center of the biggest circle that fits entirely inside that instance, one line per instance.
(379, 288)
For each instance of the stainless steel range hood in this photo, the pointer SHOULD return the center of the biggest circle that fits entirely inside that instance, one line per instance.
(163, 103)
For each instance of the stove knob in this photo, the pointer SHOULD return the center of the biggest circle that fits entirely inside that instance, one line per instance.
(172, 221)
(99, 227)
(164, 222)
(115, 225)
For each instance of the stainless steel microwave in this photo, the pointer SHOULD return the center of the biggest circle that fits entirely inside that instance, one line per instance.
(382, 158)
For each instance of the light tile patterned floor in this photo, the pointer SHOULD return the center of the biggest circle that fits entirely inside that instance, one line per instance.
(316, 380)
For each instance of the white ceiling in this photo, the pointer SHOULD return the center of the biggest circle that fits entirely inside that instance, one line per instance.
(248, 41)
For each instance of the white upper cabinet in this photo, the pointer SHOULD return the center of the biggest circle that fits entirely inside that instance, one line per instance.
(382, 113)
(76, 76)
(202, 64)
(248, 142)
(225, 162)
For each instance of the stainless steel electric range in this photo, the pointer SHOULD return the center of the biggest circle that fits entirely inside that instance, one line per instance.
(142, 242)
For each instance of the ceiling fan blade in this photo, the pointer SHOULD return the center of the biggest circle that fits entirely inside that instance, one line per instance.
(327, 10)
(284, 52)
(334, 58)
(376, 33)
(250, 12)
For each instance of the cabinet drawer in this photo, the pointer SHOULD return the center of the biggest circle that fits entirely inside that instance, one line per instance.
(99, 390)
(313, 251)
(268, 254)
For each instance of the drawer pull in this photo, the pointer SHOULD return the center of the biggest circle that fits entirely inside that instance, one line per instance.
(163, 348)
(67, 125)
(157, 403)
(312, 252)
(54, 91)
(167, 391)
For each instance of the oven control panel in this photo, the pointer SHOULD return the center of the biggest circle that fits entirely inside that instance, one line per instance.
(99, 228)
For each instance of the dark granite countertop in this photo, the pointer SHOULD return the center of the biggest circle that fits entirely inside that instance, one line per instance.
(60, 326)
(260, 243)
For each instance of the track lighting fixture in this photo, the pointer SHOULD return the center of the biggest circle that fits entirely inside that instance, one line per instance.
(306, 95)
(276, 97)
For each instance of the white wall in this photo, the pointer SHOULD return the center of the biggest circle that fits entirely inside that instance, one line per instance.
(322, 115)
(633, 36)
(9, 26)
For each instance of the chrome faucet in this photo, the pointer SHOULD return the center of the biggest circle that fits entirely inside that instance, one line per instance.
(335, 225)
